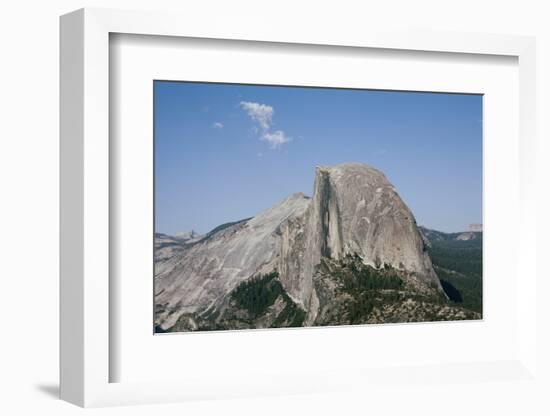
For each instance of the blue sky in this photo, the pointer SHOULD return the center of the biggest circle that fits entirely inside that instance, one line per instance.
(226, 152)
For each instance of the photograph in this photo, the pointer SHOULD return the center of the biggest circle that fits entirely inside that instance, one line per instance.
(292, 206)
(243, 208)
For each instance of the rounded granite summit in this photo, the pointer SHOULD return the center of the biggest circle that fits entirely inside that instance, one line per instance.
(354, 211)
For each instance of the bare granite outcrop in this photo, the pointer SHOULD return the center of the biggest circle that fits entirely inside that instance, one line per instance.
(354, 210)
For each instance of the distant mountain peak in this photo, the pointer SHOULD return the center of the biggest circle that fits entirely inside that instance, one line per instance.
(187, 235)
(429, 235)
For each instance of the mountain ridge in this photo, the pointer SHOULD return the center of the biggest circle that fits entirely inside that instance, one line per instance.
(355, 222)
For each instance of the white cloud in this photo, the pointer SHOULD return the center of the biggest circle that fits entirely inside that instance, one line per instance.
(217, 125)
(276, 139)
(260, 113)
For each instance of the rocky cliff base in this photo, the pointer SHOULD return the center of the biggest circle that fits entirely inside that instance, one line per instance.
(348, 293)
(350, 254)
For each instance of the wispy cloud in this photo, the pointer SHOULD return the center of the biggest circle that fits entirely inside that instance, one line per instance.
(262, 115)
(276, 139)
(217, 125)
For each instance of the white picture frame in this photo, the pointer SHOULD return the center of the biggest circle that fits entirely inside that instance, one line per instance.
(85, 205)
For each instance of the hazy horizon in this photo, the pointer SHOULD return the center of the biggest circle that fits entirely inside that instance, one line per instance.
(225, 152)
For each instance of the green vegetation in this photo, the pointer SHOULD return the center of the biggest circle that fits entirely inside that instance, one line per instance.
(355, 293)
(460, 256)
(258, 294)
(365, 278)
(459, 265)
(469, 288)
(365, 286)
(292, 315)
(351, 292)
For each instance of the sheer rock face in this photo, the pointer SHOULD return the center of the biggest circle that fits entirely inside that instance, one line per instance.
(354, 210)
(199, 277)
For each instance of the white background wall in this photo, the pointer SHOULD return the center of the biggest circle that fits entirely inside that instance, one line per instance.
(29, 189)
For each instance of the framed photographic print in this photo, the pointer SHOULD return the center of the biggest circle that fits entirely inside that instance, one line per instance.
(299, 228)
(274, 212)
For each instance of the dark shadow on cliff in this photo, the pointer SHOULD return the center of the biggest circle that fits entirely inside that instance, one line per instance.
(451, 291)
